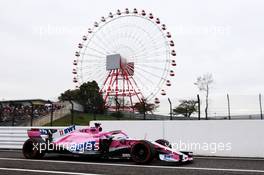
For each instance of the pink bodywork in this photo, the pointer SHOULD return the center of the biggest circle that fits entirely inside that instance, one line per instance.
(91, 136)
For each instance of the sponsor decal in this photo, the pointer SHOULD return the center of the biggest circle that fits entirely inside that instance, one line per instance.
(167, 156)
(67, 130)
(44, 131)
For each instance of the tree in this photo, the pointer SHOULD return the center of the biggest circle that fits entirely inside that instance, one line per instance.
(87, 95)
(69, 95)
(91, 98)
(144, 107)
(186, 108)
(203, 83)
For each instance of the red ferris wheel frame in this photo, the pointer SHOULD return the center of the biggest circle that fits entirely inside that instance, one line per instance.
(115, 77)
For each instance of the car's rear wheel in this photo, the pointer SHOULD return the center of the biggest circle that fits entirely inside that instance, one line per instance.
(31, 148)
(142, 152)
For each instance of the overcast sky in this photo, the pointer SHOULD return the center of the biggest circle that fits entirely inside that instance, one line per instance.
(38, 40)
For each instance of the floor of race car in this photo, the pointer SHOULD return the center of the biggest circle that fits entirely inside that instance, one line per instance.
(12, 162)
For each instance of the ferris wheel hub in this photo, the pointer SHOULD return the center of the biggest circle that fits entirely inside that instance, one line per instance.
(115, 61)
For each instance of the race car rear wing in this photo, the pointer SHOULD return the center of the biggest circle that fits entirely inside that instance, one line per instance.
(49, 133)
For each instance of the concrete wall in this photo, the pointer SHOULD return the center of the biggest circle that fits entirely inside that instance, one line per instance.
(56, 115)
(238, 138)
(46, 119)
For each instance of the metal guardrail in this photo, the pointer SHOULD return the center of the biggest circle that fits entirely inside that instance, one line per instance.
(14, 137)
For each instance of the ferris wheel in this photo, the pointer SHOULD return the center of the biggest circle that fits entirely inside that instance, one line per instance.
(130, 54)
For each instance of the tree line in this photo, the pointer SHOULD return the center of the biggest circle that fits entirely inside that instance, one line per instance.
(89, 96)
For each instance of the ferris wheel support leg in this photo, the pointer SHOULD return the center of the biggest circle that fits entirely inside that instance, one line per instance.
(112, 83)
(130, 94)
(116, 94)
(142, 97)
(108, 76)
(125, 82)
(126, 75)
(125, 78)
(109, 86)
(123, 93)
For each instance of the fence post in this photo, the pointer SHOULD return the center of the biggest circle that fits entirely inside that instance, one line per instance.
(32, 113)
(13, 118)
(94, 113)
(228, 103)
(144, 109)
(13, 113)
(170, 108)
(199, 107)
(260, 105)
(51, 113)
(1, 111)
(72, 112)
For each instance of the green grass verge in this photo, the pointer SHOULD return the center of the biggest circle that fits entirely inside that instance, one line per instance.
(83, 119)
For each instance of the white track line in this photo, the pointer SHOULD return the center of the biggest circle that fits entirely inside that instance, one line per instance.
(43, 171)
(140, 166)
(229, 158)
(198, 157)
(10, 150)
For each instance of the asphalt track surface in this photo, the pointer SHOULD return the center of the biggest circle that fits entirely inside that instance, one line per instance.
(12, 162)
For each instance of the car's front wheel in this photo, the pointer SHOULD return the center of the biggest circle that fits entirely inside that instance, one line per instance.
(142, 152)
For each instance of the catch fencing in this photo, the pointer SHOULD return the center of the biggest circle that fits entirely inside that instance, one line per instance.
(223, 106)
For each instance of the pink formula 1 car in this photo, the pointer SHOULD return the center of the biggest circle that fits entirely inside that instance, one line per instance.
(92, 141)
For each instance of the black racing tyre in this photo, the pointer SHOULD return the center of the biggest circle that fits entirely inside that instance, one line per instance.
(164, 142)
(142, 152)
(31, 151)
